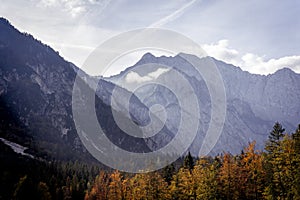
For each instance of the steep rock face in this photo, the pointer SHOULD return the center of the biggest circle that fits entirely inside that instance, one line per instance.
(36, 87)
(273, 97)
(254, 102)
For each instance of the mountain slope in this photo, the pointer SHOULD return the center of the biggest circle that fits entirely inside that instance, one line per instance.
(254, 102)
(36, 100)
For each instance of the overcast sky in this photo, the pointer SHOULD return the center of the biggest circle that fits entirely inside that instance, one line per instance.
(260, 36)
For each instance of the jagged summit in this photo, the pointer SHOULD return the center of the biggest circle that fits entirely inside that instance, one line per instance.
(147, 56)
(254, 102)
(285, 71)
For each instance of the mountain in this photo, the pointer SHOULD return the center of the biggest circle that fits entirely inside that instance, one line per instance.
(253, 102)
(36, 86)
(35, 82)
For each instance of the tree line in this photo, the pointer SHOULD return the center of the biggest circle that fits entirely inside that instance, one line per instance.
(273, 173)
(22, 177)
(270, 174)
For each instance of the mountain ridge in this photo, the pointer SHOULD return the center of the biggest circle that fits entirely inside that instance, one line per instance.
(254, 102)
(36, 86)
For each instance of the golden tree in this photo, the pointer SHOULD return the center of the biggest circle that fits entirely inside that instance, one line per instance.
(100, 187)
(205, 179)
(116, 186)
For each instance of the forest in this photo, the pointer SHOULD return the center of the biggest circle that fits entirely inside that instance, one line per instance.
(273, 173)
(270, 174)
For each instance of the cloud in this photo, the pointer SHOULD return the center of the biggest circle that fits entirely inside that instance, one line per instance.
(256, 64)
(222, 51)
(75, 27)
(133, 77)
(249, 61)
(157, 73)
(74, 7)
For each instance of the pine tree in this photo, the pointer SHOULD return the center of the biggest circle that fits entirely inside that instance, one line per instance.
(275, 188)
(168, 173)
(274, 138)
(189, 162)
(296, 138)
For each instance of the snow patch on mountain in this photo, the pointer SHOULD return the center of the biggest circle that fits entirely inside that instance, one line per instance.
(134, 77)
(16, 147)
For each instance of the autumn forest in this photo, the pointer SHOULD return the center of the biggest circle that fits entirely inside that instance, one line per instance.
(269, 174)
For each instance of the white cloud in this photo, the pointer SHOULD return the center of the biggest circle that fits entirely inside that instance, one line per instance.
(74, 7)
(256, 64)
(251, 62)
(222, 51)
(158, 72)
(133, 77)
(49, 3)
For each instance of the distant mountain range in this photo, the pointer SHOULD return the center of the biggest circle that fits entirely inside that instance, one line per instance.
(36, 102)
(254, 102)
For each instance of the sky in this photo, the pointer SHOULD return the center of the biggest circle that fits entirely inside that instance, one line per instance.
(260, 36)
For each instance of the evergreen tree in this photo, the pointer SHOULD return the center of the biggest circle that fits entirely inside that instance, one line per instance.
(275, 188)
(189, 161)
(274, 138)
(296, 138)
(168, 173)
